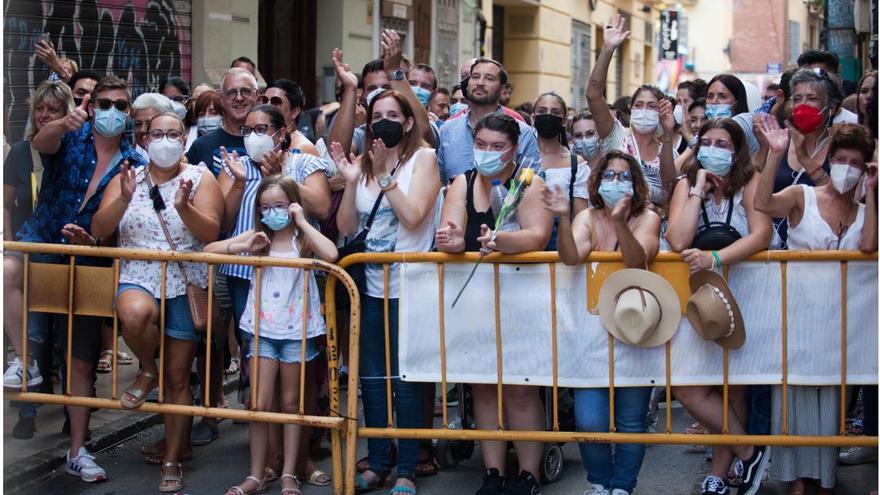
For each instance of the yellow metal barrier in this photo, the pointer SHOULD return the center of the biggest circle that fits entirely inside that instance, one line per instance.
(668, 265)
(74, 290)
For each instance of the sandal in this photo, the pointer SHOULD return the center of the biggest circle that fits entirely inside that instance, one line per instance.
(296, 490)
(403, 489)
(273, 473)
(363, 464)
(362, 485)
(426, 464)
(123, 358)
(238, 490)
(234, 365)
(140, 396)
(105, 363)
(171, 483)
(318, 478)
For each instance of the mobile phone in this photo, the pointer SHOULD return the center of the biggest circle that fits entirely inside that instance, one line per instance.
(45, 37)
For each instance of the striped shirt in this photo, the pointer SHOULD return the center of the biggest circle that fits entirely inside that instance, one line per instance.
(298, 166)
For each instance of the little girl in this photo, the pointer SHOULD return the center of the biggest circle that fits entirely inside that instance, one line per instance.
(281, 230)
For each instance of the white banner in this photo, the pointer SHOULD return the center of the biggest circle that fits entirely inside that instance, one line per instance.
(814, 329)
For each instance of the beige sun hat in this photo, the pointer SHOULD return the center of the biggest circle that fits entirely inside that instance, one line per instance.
(713, 311)
(639, 308)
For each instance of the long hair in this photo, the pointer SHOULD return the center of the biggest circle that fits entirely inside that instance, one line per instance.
(737, 88)
(741, 171)
(863, 118)
(640, 184)
(407, 147)
(291, 190)
(563, 136)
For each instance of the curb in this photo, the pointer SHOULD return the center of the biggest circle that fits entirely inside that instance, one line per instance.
(25, 471)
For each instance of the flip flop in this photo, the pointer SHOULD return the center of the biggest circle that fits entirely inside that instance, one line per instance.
(319, 478)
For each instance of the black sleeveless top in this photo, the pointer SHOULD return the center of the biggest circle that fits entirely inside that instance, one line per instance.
(476, 218)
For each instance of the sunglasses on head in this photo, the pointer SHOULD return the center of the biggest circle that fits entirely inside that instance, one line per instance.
(156, 197)
(106, 103)
(275, 100)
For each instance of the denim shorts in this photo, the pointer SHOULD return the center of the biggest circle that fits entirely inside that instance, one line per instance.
(178, 320)
(285, 350)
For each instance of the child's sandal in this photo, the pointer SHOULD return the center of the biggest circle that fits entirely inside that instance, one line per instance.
(296, 490)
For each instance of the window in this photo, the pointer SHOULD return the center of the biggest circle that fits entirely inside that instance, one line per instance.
(794, 41)
(580, 64)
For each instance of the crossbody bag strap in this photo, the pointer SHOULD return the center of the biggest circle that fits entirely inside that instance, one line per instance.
(705, 214)
(574, 169)
(378, 202)
(165, 229)
(729, 211)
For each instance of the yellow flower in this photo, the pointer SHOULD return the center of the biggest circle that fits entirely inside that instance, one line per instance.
(526, 176)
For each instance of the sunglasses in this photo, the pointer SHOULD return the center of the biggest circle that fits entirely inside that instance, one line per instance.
(106, 103)
(156, 197)
(622, 176)
(179, 98)
(275, 100)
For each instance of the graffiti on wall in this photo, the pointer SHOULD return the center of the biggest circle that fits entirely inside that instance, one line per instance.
(141, 41)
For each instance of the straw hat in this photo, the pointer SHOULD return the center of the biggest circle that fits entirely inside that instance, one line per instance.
(713, 312)
(639, 308)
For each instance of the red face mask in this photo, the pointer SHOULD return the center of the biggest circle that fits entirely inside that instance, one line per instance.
(806, 118)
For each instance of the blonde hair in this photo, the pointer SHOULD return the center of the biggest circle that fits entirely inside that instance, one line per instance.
(47, 90)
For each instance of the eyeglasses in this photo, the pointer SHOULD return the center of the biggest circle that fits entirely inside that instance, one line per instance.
(622, 176)
(718, 143)
(156, 197)
(158, 134)
(275, 100)
(106, 103)
(245, 93)
(277, 206)
(259, 130)
(179, 98)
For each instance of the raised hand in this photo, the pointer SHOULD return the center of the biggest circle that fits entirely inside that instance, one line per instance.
(614, 32)
(350, 171)
(714, 182)
(701, 182)
(182, 197)
(296, 213)
(378, 153)
(78, 117)
(554, 200)
(392, 54)
(486, 239)
(768, 129)
(257, 242)
(127, 181)
(234, 164)
(667, 120)
(343, 71)
(45, 51)
(450, 238)
(871, 178)
(273, 162)
(78, 235)
(621, 210)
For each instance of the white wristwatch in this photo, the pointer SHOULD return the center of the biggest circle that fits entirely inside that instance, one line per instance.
(696, 192)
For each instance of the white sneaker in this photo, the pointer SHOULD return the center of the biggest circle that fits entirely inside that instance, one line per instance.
(618, 491)
(12, 376)
(597, 490)
(858, 455)
(84, 466)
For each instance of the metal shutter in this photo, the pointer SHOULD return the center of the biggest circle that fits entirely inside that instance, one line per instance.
(142, 41)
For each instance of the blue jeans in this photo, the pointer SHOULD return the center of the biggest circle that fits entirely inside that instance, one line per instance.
(759, 397)
(591, 411)
(408, 395)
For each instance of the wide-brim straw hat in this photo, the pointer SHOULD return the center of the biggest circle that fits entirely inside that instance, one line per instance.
(639, 308)
(713, 312)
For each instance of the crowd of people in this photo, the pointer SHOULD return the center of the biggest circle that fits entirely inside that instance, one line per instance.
(402, 165)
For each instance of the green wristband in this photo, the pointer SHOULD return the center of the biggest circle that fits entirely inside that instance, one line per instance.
(717, 258)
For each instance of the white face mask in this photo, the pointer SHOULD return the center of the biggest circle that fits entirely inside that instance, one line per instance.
(644, 121)
(179, 109)
(165, 153)
(257, 146)
(678, 114)
(844, 177)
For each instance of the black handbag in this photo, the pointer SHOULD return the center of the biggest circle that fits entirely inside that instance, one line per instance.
(716, 235)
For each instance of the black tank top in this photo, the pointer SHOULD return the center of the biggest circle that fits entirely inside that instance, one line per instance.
(476, 218)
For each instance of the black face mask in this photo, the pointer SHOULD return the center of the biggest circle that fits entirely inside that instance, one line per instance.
(389, 131)
(548, 126)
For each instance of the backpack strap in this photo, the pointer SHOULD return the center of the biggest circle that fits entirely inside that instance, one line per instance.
(574, 169)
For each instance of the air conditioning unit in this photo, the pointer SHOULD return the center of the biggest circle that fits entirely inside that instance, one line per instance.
(862, 16)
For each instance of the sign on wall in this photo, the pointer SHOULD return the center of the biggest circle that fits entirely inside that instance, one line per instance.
(669, 34)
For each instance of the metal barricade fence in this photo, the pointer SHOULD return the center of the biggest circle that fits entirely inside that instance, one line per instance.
(668, 265)
(78, 290)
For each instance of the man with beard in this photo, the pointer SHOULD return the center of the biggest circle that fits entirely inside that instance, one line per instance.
(455, 152)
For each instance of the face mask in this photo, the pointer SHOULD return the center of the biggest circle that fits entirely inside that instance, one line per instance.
(109, 123)
(373, 94)
(456, 108)
(587, 147)
(806, 118)
(179, 109)
(678, 114)
(422, 94)
(488, 163)
(276, 219)
(844, 177)
(613, 191)
(165, 153)
(715, 160)
(548, 126)
(256, 146)
(645, 121)
(718, 111)
(389, 131)
(208, 124)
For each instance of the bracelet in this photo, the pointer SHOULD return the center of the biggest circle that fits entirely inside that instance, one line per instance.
(716, 259)
(815, 180)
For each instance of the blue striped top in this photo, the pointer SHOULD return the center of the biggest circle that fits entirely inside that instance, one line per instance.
(298, 166)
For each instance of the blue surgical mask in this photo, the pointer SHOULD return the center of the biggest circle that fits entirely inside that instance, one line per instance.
(422, 94)
(613, 191)
(718, 111)
(586, 147)
(456, 108)
(109, 123)
(715, 160)
(488, 163)
(276, 219)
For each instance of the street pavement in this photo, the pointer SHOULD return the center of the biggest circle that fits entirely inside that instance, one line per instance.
(667, 470)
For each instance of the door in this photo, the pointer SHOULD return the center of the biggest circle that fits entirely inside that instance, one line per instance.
(287, 43)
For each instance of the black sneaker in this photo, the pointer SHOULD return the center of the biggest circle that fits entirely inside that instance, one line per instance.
(24, 429)
(753, 471)
(524, 484)
(713, 485)
(493, 483)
